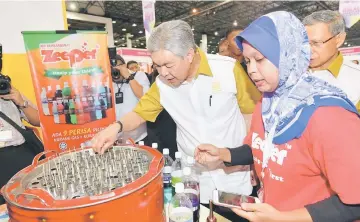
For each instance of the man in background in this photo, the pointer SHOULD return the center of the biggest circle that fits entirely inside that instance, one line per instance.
(326, 31)
(224, 47)
(129, 86)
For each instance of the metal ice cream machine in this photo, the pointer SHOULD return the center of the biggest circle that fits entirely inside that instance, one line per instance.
(123, 184)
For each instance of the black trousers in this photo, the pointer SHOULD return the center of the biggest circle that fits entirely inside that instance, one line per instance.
(12, 160)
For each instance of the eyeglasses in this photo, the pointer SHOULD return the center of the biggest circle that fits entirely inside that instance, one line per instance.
(321, 43)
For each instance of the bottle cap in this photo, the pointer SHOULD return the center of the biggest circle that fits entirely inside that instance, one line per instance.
(141, 143)
(177, 155)
(187, 171)
(57, 87)
(179, 188)
(84, 82)
(43, 89)
(190, 160)
(66, 84)
(54, 103)
(49, 87)
(154, 145)
(166, 151)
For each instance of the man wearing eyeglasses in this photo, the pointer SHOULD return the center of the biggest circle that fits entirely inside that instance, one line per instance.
(326, 31)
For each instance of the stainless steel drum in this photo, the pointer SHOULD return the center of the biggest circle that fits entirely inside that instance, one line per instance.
(69, 186)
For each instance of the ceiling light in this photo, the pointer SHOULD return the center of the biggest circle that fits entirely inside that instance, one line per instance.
(114, 21)
(194, 10)
(73, 6)
(345, 43)
(124, 29)
(210, 42)
(142, 43)
(134, 25)
(212, 51)
(116, 41)
(123, 39)
(192, 28)
(349, 44)
(140, 31)
(235, 23)
(214, 12)
(123, 45)
(216, 33)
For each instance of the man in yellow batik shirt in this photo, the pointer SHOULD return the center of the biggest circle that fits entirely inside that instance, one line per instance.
(326, 31)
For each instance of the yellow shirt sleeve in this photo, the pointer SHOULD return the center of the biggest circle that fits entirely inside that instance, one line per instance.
(358, 107)
(149, 106)
(247, 93)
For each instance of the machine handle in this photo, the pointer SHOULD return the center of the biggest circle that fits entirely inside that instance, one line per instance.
(33, 196)
(38, 156)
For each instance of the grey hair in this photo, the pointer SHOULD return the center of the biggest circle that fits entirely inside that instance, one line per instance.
(334, 19)
(175, 36)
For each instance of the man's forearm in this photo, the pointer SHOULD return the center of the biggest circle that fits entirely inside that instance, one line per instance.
(136, 88)
(131, 121)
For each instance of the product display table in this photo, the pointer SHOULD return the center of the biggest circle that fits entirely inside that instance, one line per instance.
(204, 212)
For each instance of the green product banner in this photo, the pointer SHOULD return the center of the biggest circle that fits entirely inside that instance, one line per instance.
(58, 73)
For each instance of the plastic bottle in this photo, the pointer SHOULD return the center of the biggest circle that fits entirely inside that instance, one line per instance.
(60, 108)
(176, 173)
(44, 102)
(103, 107)
(102, 94)
(154, 145)
(67, 113)
(180, 208)
(97, 108)
(73, 117)
(192, 190)
(58, 94)
(108, 95)
(79, 111)
(66, 92)
(190, 161)
(74, 90)
(50, 94)
(167, 180)
(55, 112)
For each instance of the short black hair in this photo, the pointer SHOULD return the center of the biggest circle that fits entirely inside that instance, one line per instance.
(131, 62)
(228, 32)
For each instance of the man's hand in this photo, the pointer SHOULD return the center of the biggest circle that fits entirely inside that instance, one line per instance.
(15, 96)
(105, 138)
(259, 212)
(123, 70)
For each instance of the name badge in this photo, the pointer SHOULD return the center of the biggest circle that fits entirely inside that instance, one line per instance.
(6, 135)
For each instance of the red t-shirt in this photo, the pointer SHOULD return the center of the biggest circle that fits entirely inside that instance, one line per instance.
(324, 161)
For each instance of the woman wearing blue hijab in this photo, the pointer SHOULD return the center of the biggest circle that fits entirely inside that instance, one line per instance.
(305, 132)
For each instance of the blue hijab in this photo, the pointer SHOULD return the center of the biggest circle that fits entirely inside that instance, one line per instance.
(283, 40)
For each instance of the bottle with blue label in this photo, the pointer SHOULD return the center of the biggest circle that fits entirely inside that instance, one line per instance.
(180, 208)
(192, 190)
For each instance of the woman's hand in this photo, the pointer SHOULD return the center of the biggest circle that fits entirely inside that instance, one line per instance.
(207, 154)
(258, 212)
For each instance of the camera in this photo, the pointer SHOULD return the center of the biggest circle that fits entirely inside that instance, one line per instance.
(115, 60)
(5, 86)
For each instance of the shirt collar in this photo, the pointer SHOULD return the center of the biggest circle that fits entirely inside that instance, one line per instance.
(204, 67)
(335, 66)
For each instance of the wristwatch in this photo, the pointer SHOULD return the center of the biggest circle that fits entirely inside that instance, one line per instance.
(131, 77)
(121, 126)
(25, 105)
